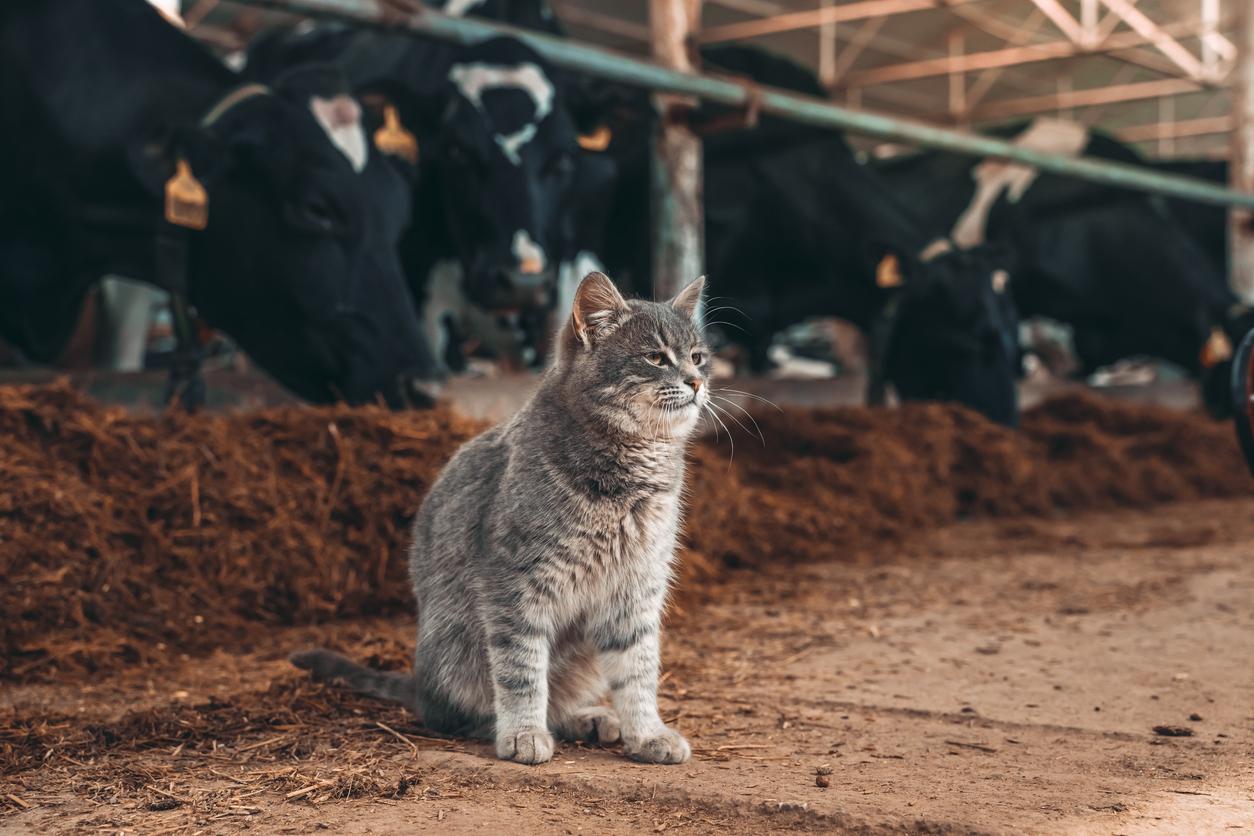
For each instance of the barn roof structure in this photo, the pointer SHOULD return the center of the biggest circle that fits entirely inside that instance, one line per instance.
(1157, 73)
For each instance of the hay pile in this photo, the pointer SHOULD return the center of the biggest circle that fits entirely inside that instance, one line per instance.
(833, 481)
(118, 533)
(123, 539)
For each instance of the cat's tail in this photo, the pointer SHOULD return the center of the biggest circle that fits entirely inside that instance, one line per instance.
(327, 664)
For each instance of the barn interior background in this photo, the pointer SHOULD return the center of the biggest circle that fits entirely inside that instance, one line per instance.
(904, 619)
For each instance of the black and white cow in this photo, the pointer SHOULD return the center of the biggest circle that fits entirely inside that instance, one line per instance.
(1205, 222)
(1113, 264)
(100, 100)
(796, 227)
(499, 177)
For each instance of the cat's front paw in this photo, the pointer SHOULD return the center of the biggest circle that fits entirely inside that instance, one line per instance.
(667, 747)
(525, 746)
(595, 724)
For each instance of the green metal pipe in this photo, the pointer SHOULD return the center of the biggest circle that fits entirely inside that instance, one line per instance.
(806, 109)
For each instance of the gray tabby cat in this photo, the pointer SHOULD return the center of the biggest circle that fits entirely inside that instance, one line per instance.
(542, 555)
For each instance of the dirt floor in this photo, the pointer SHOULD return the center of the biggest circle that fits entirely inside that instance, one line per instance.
(989, 676)
(904, 620)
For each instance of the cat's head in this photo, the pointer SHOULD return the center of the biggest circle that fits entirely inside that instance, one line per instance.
(643, 367)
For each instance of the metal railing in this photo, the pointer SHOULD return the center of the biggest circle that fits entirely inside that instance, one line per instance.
(810, 110)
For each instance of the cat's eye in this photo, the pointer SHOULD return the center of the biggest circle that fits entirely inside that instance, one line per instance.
(657, 358)
(697, 358)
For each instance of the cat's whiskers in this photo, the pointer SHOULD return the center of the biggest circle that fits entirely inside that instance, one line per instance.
(732, 441)
(726, 324)
(745, 394)
(756, 429)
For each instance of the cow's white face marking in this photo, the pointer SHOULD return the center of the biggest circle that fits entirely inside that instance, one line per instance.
(444, 299)
(473, 79)
(169, 10)
(459, 8)
(569, 274)
(340, 117)
(937, 248)
(530, 255)
(993, 177)
(510, 144)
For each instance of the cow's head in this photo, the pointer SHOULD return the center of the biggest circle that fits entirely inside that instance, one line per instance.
(298, 262)
(954, 328)
(507, 152)
(1216, 357)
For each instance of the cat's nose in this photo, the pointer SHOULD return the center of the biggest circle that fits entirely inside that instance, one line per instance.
(695, 383)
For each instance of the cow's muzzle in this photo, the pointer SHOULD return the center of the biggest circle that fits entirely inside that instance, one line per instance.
(417, 391)
(512, 289)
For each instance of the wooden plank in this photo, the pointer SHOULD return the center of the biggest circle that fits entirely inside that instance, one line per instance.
(1242, 168)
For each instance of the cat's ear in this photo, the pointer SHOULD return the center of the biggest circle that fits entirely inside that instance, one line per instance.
(689, 299)
(598, 305)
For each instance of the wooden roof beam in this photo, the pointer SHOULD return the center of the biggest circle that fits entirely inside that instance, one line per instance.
(817, 17)
(1113, 94)
(1140, 23)
(1009, 57)
(1061, 18)
(1208, 126)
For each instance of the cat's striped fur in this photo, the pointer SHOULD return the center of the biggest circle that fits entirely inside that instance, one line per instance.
(542, 555)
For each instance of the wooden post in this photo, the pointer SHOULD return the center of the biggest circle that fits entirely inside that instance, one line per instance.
(676, 200)
(827, 51)
(1242, 168)
(957, 79)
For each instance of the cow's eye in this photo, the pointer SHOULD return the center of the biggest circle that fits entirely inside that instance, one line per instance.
(317, 215)
(657, 358)
(321, 214)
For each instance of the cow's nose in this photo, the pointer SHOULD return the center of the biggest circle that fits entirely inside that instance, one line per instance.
(529, 254)
(419, 391)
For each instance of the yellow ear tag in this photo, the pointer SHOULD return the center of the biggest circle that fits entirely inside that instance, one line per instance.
(598, 140)
(888, 273)
(392, 138)
(186, 201)
(1217, 349)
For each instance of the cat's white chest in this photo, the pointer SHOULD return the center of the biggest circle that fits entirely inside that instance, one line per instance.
(623, 548)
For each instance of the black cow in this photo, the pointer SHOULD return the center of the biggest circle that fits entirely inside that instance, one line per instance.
(796, 227)
(1112, 263)
(500, 175)
(1207, 223)
(297, 263)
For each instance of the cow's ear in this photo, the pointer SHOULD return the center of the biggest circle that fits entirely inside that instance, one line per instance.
(390, 125)
(597, 311)
(156, 159)
(688, 300)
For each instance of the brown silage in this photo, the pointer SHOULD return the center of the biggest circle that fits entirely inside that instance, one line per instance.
(123, 535)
